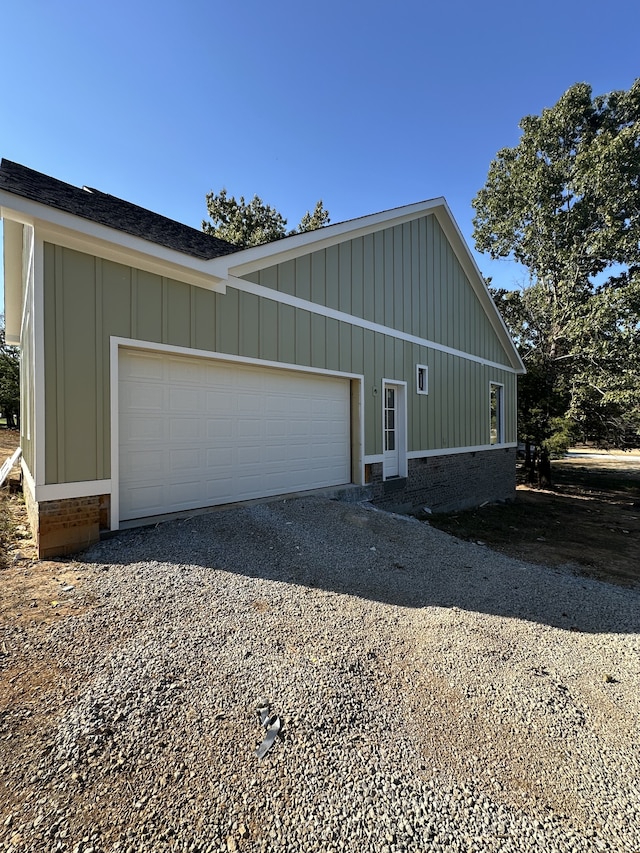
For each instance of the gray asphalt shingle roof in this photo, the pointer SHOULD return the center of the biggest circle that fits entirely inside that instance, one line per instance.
(113, 212)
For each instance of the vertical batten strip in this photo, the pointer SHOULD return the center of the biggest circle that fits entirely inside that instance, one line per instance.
(102, 463)
(60, 368)
(165, 311)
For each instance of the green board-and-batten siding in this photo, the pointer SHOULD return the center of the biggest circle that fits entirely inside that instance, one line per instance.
(406, 277)
(87, 300)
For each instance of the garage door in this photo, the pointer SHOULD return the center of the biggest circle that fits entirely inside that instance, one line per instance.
(195, 432)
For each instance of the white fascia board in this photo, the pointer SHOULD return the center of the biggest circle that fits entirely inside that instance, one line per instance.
(75, 232)
(257, 257)
(12, 280)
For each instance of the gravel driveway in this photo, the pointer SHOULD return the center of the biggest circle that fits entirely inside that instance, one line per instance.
(434, 695)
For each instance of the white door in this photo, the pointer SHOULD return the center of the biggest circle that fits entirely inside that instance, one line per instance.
(197, 432)
(391, 431)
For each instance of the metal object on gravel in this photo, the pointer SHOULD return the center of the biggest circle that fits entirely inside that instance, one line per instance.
(273, 725)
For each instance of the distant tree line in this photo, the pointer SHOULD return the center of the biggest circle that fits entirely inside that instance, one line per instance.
(9, 380)
(255, 222)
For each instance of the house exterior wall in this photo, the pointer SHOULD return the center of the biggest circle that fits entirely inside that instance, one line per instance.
(406, 277)
(87, 300)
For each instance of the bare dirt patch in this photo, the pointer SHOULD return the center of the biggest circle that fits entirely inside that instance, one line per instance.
(591, 519)
(35, 595)
(33, 591)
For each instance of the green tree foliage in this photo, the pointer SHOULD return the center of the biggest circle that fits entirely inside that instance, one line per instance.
(311, 221)
(565, 202)
(254, 223)
(9, 380)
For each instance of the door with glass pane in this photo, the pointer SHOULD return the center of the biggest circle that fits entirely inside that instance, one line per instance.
(391, 432)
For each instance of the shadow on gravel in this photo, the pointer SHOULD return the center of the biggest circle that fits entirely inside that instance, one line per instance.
(356, 550)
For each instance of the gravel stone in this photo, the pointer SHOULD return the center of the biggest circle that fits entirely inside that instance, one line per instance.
(434, 695)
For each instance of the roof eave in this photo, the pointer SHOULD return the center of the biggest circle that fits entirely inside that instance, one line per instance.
(246, 261)
(82, 234)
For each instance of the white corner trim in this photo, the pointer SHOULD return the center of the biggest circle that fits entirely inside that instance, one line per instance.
(37, 319)
(448, 451)
(361, 429)
(27, 478)
(332, 313)
(114, 395)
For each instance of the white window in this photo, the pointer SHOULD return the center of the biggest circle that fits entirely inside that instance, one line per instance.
(496, 435)
(422, 379)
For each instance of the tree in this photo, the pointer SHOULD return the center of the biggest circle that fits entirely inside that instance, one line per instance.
(311, 221)
(565, 202)
(253, 223)
(9, 380)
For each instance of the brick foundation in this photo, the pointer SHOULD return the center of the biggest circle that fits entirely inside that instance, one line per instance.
(67, 525)
(441, 483)
(446, 483)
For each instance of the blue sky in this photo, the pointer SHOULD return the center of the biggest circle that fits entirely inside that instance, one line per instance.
(363, 104)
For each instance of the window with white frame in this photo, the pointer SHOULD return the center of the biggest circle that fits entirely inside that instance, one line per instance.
(496, 396)
(422, 379)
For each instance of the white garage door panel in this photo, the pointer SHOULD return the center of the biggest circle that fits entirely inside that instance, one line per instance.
(196, 433)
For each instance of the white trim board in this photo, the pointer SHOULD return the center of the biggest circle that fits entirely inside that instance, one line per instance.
(27, 478)
(323, 311)
(37, 318)
(190, 352)
(63, 491)
(445, 451)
